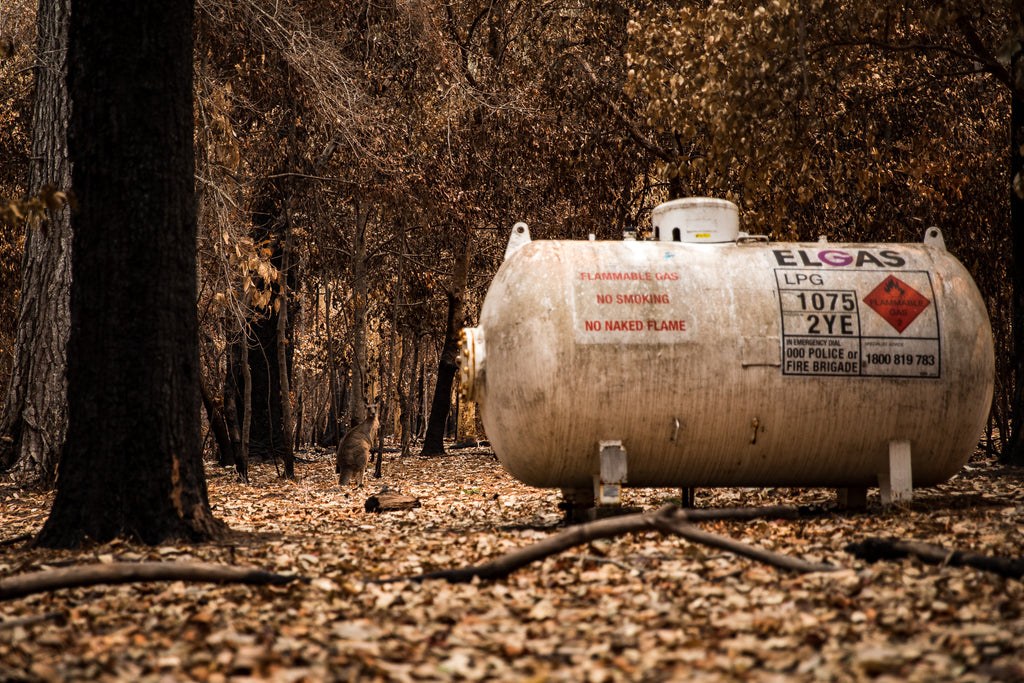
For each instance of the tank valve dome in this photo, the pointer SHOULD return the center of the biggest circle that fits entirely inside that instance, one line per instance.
(696, 220)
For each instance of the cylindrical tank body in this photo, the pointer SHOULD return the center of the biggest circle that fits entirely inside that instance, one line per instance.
(744, 363)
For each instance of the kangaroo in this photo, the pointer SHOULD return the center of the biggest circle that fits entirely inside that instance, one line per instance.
(354, 448)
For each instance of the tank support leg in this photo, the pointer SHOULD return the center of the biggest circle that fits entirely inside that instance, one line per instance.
(577, 505)
(895, 484)
(852, 498)
(688, 497)
(608, 484)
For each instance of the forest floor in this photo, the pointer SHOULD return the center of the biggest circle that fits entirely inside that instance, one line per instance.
(642, 607)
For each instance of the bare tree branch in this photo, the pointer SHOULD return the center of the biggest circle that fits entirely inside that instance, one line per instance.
(629, 124)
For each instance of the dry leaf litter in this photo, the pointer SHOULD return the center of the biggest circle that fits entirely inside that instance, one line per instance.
(644, 607)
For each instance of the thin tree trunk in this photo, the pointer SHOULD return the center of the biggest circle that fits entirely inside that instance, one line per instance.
(246, 393)
(406, 379)
(421, 386)
(332, 368)
(298, 375)
(357, 396)
(388, 402)
(34, 422)
(448, 365)
(233, 391)
(288, 453)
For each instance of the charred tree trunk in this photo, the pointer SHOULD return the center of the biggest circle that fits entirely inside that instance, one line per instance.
(132, 461)
(287, 447)
(448, 365)
(265, 435)
(330, 436)
(388, 402)
(1014, 454)
(218, 424)
(234, 387)
(405, 383)
(357, 395)
(34, 422)
(246, 394)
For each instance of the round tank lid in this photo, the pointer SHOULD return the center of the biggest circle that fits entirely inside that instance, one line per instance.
(696, 220)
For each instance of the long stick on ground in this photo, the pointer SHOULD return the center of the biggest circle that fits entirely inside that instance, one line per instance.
(872, 549)
(669, 519)
(131, 572)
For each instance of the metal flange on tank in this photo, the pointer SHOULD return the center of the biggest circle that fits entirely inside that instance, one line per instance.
(709, 357)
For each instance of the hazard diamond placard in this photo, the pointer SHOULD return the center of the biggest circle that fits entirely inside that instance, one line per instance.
(897, 302)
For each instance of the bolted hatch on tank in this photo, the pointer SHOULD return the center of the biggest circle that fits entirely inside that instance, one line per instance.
(710, 357)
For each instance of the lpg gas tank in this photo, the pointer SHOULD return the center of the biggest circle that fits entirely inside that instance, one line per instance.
(726, 360)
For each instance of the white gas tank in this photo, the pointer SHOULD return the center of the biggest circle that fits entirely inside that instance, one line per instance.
(735, 363)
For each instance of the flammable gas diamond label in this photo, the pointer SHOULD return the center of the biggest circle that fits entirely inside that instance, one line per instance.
(897, 302)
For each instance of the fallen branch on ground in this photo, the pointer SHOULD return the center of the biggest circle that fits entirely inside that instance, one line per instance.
(31, 621)
(874, 549)
(133, 572)
(16, 539)
(669, 519)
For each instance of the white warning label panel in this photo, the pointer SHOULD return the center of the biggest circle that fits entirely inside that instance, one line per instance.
(852, 322)
(638, 305)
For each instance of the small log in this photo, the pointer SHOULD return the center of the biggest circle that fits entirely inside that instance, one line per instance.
(874, 549)
(390, 501)
(134, 572)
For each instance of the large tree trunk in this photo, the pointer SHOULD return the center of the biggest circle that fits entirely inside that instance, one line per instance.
(1014, 453)
(448, 366)
(34, 422)
(132, 461)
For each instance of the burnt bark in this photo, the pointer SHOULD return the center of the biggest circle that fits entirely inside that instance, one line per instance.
(357, 398)
(448, 365)
(230, 452)
(132, 460)
(34, 422)
(405, 387)
(266, 436)
(233, 392)
(1014, 454)
(330, 436)
(287, 445)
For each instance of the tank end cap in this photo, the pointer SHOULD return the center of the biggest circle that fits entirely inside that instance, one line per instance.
(471, 363)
